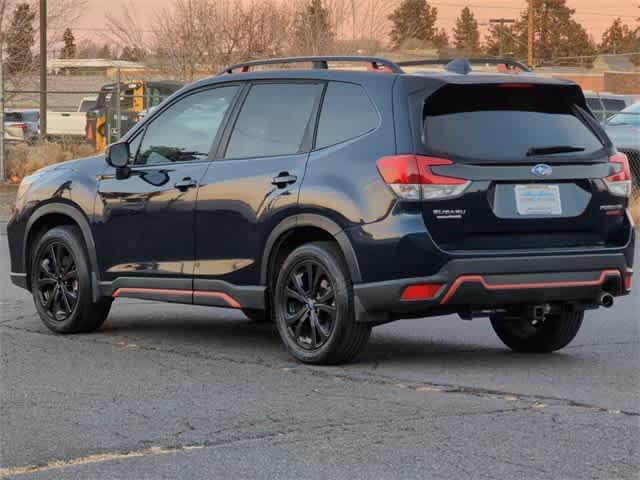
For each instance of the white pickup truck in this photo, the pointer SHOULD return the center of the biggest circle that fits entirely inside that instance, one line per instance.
(66, 124)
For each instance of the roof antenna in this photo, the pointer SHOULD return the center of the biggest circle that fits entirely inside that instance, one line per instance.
(459, 65)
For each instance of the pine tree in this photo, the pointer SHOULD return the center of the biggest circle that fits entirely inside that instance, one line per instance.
(313, 33)
(414, 19)
(20, 39)
(466, 36)
(69, 50)
(619, 38)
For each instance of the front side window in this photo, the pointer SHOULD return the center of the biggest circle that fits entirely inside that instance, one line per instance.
(347, 113)
(273, 120)
(186, 130)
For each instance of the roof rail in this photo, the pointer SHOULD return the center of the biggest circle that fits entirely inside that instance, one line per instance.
(478, 61)
(318, 62)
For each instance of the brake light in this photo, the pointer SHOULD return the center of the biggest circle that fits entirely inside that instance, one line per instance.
(411, 177)
(627, 282)
(422, 291)
(619, 183)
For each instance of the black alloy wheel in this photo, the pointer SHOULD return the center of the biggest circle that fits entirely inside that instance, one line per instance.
(57, 283)
(309, 304)
(60, 275)
(313, 304)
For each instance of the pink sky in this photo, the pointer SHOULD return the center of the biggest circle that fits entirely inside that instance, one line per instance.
(595, 15)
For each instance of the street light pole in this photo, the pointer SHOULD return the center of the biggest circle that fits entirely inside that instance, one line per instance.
(531, 36)
(43, 69)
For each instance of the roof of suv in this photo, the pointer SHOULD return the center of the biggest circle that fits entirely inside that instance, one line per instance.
(365, 77)
(382, 68)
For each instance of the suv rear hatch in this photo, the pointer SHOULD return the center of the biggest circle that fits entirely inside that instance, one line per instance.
(527, 168)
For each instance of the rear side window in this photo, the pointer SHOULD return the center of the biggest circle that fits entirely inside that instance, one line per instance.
(495, 123)
(347, 112)
(273, 120)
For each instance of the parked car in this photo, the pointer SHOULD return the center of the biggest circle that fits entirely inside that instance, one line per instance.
(331, 201)
(604, 105)
(624, 131)
(70, 123)
(136, 99)
(22, 125)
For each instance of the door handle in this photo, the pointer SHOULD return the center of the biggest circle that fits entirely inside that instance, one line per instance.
(185, 184)
(283, 179)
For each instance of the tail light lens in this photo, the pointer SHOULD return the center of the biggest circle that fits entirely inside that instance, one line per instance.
(627, 282)
(619, 183)
(411, 177)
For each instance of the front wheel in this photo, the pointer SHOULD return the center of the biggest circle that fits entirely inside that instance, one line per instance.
(313, 304)
(556, 332)
(61, 283)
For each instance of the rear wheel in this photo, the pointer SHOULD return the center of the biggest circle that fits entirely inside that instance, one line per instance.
(554, 333)
(313, 303)
(61, 283)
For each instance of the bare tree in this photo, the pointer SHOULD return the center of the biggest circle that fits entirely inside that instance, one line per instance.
(208, 34)
(126, 30)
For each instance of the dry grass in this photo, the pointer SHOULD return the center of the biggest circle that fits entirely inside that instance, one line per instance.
(23, 160)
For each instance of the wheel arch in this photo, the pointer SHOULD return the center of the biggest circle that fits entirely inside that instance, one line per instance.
(305, 225)
(54, 214)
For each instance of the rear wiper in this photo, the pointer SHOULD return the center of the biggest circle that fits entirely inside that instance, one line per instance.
(551, 150)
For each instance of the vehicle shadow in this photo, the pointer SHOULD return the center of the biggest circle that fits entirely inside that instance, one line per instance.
(219, 331)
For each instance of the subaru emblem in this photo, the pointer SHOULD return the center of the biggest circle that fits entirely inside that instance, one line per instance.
(542, 170)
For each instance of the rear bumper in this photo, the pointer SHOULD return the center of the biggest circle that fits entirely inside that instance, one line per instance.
(492, 282)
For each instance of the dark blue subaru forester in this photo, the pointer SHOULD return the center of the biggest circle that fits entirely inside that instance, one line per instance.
(330, 201)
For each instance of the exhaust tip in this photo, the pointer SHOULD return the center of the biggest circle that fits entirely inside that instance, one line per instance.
(605, 299)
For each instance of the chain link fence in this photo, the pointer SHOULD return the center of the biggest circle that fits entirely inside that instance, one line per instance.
(79, 122)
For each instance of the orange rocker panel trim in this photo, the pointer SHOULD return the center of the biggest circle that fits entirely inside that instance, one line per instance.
(122, 292)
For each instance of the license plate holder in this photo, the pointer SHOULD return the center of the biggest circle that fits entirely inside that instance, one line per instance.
(538, 200)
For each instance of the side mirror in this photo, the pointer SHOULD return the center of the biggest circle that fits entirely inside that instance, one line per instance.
(118, 155)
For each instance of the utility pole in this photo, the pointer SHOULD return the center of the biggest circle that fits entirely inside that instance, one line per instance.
(501, 23)
(531, 36)
(2, 173)
(43, 69)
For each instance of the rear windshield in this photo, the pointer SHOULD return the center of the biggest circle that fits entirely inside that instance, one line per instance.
(489, 123)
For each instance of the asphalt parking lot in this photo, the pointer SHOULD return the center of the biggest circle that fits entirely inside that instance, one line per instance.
(168, 391)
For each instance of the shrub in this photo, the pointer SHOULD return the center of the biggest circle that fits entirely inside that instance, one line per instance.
(23, 159)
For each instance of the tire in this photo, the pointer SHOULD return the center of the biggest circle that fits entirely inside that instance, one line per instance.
(326, 332)
(59, 263)
(257, 316)
(556, 332)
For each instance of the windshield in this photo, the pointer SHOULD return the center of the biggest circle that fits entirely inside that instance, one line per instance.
(628, 116)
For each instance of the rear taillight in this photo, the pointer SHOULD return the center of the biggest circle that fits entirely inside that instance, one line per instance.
(411, 177)
(23, 126)
(619, 183)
